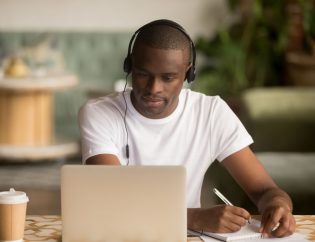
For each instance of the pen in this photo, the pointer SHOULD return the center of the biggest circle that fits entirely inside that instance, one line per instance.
(223, 198)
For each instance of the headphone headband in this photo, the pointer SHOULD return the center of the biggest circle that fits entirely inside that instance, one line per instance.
(190, 74)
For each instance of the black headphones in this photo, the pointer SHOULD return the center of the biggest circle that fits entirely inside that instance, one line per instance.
(190, 74)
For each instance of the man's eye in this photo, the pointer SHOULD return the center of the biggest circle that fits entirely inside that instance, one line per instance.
(168, 78)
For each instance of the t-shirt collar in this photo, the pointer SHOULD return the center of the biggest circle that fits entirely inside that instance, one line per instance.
(132, 111)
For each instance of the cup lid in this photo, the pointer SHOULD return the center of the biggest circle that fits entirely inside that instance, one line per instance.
(13, 197)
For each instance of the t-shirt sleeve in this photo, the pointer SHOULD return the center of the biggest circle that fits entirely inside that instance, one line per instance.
(228, 134)
(96, 128)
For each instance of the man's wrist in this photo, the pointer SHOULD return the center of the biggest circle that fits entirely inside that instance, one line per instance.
(192, 218)
(279, 202)
(275, 198)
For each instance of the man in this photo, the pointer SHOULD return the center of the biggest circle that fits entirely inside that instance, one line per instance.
(159, 123)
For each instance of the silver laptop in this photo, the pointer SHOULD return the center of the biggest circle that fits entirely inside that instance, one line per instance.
(123, 203)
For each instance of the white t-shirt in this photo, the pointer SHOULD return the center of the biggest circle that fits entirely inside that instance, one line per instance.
(201, 129)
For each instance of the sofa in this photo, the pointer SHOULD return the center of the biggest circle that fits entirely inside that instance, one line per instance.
(280, 118)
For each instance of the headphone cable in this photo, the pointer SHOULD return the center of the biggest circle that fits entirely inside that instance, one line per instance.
(125, 123)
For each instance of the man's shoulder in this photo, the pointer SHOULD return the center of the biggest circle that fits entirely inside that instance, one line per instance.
(108, 100)
(199, 98)
(105, 104)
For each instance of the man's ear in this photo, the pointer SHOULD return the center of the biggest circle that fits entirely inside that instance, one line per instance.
(190, 73)
(186, 70)
(189, 66)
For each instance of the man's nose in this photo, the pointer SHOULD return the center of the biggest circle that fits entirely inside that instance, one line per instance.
(154, 85)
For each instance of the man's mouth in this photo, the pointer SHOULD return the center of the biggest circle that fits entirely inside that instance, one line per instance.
(152, 101)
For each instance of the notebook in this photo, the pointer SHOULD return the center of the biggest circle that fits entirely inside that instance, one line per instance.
(119, 203)
(249, 231)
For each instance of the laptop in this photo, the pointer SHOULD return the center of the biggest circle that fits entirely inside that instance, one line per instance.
(123, 203)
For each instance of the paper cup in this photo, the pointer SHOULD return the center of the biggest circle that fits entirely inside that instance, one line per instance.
(12, 215)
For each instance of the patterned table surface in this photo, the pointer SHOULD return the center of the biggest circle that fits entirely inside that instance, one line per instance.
(48, 228)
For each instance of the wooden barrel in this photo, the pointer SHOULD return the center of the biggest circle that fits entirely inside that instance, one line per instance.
(26, 117)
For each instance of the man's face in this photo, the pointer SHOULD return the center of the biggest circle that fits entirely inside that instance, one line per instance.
(157, 79)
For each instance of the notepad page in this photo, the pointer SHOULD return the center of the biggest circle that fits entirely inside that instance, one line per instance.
(296, 237)
(249, 231)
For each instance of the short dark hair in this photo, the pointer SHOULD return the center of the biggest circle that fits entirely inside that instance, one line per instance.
(164, 37)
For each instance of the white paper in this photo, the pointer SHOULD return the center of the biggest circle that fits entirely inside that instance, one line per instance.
(296, 237)
(253, 228)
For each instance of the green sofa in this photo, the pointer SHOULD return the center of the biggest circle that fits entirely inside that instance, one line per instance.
(281, 118)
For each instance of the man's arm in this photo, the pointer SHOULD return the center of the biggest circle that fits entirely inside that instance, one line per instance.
(103, 159)
(272, 202)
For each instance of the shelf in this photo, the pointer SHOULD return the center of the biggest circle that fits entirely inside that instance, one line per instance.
(31, 83)
(57, 150)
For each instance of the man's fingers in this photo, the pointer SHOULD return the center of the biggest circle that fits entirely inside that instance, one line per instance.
(270, 223)
(241, 212)
(277, 224)
(286, 227)
(239, 218)
(230, 228)
(232, 219)
(282, 229)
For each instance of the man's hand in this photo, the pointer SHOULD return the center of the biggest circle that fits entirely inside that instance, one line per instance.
(277, 221)
(218, 219)
(103, 159)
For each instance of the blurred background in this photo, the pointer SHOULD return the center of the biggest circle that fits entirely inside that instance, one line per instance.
(259, 56)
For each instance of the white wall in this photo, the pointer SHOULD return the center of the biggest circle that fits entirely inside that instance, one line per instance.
(197, 16)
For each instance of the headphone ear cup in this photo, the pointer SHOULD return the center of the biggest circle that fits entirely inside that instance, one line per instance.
(127, 64)
(190, 74)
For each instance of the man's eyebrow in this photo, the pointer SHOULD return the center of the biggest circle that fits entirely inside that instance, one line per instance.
(165, 73)
(170, 73)
(141, 69)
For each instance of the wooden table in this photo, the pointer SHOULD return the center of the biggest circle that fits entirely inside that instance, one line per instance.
(48, 228)
(26, 117)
